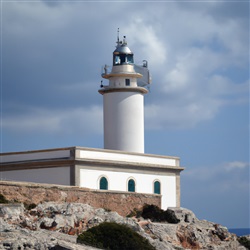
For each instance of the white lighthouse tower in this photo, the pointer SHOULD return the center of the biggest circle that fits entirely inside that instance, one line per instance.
(123, 101)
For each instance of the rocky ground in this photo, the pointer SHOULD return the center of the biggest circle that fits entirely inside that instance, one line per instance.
(55, 226)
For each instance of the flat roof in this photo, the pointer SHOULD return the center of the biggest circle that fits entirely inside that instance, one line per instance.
(57, 157)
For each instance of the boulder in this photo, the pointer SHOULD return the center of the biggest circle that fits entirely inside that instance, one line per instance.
(176, 215)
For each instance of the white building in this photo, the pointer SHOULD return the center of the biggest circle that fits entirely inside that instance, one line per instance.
(122, 165)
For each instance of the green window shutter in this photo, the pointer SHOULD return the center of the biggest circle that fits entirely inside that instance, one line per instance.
(157, 187)
(103, 183)
(131, 185)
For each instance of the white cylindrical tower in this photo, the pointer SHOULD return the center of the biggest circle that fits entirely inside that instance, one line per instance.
(123, 103)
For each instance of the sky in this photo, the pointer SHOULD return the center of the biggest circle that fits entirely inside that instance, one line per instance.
(197, 108)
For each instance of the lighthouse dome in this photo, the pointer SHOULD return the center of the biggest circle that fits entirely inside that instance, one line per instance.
(122, 49)
(122, 53)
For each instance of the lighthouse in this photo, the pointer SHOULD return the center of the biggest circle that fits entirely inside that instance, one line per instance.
(121, 167)
(123, 101)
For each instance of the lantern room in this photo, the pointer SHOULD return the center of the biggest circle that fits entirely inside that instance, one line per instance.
(122, 55)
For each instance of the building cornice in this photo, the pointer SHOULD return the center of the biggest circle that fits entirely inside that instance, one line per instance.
(106, 90)
(61, 157)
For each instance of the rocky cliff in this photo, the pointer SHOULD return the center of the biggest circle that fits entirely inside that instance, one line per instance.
(55, 226)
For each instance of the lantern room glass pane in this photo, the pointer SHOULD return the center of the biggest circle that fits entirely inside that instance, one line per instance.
(123, 59)
(131, 185)
(130, 59)
(157, 187)
(103, 183)
(117, 60)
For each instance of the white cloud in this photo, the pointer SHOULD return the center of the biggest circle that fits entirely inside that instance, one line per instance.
(191, 75)
(181, 115)
(203, 173)
(210, 172)
(236, 165)
(189, 50)
(219, 178)
(144, 37)
(76, 120)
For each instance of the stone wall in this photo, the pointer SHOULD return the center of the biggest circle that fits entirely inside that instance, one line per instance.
(121, 202)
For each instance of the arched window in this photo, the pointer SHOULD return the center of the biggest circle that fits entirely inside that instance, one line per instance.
(131, 185)
(103, 183)
(157, 187)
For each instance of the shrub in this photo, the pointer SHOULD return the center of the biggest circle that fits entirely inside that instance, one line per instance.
(244, 241)
(3, 199)
(154, 213)
(113, 236)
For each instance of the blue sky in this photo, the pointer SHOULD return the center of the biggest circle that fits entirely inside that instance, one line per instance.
(52, 53)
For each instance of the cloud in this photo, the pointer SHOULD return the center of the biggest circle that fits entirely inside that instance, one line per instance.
(45, 121)
(219, 177)
(194, 56)
(209, 172)
(197, 78)
(216, 194)
(178, 116)
(144, 36)
(204, 173)
(236, 166)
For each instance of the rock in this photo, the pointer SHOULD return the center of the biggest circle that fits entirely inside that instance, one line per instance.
(11, 211)
(65, 220)
(95, 221)
(162, 231)
(221, 232)
(48, 223)
(159, 245)
(188, 237)
(195, 235)
(5, 226)
(53, 226)
(176, 215)
(40, 240)
(245, 240)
